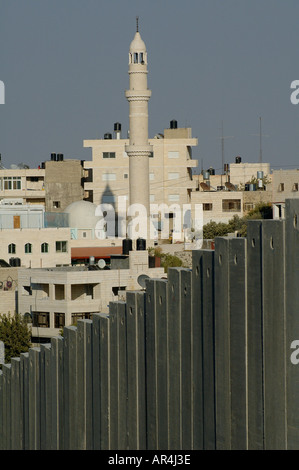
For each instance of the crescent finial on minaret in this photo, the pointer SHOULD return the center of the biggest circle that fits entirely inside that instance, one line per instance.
(137, 26)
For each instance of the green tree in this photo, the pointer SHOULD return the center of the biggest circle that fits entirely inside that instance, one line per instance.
(15, 334)
(167, 260)
(214, 229)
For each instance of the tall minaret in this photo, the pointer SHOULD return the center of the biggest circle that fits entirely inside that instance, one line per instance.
(138, 149)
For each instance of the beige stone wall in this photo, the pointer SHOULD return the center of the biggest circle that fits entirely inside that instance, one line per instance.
(63, 184)
(242, 173)
(8, 290)
(285, 185)
(215, 200)
(36, 237)
(169, 169)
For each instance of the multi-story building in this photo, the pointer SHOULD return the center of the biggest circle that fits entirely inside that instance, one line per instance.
(63, 183)
(57, 297)
(285, 185)
(55, 183)
(36, 248)
(24, 185)
(170, 168)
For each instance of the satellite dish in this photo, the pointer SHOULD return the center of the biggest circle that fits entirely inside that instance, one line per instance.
(141, 280)
(205, 186)
(101, 263)
(230, 186)
(23, 166)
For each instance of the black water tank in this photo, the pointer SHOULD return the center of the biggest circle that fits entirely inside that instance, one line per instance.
(17, 262)
(12, 261)
(141, 244)
(238, 159)
(127, 246)
(53, 157)
(211, 171)
(173, 124)
(226, 167)
(107, 136)
(117, 126)
(60, 157)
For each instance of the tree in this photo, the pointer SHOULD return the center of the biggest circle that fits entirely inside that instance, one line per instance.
(15, 334)
(239, 224)
(167, 260)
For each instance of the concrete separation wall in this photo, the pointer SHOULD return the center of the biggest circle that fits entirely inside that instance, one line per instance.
(202, 360)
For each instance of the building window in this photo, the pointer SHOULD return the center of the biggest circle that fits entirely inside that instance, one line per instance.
(151, 176)
(12, 182)
(295, 187)
(231, 205)
(207, 206)
(80, 316)
(59, 320)
(152, 197)
(61, 247)
(173, 154)
(45, 247)
(126, 175)
(28, 248)
(41, 319)
(151, 155)
(248, 206)
(56, 204)
(12, 249)
(109, 177)
(281, 187)
(108, 154)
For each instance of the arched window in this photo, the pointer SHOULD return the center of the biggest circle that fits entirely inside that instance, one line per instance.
(28, 248)
(45, 247)
(12, 249)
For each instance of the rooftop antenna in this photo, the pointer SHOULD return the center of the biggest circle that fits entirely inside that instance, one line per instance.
(137, 24)
(222, 147)
(260, 136)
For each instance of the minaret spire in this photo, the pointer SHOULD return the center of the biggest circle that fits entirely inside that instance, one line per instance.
(137, 24)
(138, 149)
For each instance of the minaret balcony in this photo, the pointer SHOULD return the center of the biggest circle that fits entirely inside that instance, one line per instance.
(138, 95)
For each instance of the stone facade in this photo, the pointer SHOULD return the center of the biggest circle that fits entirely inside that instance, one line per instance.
(36, 248)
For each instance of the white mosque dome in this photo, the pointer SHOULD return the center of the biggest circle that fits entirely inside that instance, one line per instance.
(82, 215)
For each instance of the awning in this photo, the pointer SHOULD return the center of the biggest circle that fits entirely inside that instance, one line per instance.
(97, 252)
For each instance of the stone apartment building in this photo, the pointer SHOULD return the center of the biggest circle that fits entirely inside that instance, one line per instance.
(236, 191)
(57, 297)
(285, 185)
(55, 184)
(170, 167)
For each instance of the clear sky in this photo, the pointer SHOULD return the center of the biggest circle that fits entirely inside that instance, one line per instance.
(64, 64)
